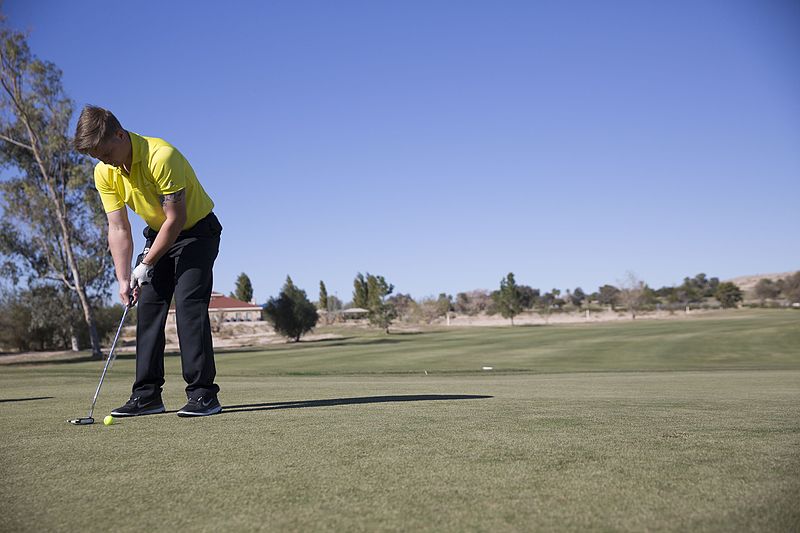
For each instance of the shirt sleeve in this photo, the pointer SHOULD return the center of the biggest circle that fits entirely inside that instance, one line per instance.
(108, 195)
(169, 171)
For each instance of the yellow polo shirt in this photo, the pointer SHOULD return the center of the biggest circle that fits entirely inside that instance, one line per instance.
(157, 168)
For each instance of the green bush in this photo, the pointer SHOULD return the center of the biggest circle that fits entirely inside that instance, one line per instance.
(728, 294)
(292, 314)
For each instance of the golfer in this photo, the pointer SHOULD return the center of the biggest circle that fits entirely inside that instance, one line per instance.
(182, 240)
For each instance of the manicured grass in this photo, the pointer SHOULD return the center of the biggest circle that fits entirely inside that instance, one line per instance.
(674, 425)
(740, 340)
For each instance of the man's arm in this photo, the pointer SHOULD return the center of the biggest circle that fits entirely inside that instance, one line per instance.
(120, 242)
(174, 206)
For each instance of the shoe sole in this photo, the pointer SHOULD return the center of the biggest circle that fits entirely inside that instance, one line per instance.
(212, 411)
(154, 411)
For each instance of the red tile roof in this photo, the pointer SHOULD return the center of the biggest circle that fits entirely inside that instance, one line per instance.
(218, 301)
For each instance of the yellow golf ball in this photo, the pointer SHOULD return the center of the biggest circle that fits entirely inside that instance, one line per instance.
(108, 420)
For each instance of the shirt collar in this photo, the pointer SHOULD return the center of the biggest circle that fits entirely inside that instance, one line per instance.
(137, 145)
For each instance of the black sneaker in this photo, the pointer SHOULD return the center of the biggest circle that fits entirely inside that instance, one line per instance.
(202, 406)
(136, 407)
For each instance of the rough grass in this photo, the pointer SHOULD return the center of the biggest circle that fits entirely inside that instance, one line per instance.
(675, 425)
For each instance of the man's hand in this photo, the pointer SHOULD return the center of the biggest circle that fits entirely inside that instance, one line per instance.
(141, 275)
(125, 292)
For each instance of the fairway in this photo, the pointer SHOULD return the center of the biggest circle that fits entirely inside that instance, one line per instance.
(648, 425)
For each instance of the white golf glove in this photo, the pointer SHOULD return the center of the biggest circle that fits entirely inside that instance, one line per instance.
(141, 275)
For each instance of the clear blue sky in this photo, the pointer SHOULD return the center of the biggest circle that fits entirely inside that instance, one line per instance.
(444, 144)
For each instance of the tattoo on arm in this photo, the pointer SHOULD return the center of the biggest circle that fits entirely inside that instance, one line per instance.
(173, 198)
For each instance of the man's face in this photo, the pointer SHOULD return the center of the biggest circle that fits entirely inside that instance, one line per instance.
(113, 151)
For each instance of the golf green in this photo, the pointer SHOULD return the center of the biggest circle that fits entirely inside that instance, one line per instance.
(648, 425)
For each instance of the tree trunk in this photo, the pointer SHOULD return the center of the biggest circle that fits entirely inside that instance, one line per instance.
(73, 338)
(63, 221)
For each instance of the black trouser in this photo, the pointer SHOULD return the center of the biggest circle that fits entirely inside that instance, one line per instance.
(185, 271)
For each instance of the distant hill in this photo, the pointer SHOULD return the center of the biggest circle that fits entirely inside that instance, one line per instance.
(748, 283)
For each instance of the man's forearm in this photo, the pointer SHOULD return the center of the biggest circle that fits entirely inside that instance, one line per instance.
(166, 237)
(121, 244)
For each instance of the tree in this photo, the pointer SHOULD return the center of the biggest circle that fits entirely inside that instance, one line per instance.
(544, 306)
(381, 312)
(790, 287)
(52, 224)
(766, 289)
(370, 292)
(507, 299)
(29, 321)
(666, 295)
(462, 303)
(608, 295)
(291, 314)
(334, 303)
(633, 293)
(54, 317)
(711, 288)
(432, 308)
(244, 289)
(699, 287)
(473, 302)
(323, 296)
(700, 283)
(528, 296)
(728, 294)
(577, 297)
(428, 309)
(444, 304)
(360, 291)
(404, 305)
(557, 301)
(17, 329)
(687, 293)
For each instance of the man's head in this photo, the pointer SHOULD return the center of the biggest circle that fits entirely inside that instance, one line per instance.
(100, 135)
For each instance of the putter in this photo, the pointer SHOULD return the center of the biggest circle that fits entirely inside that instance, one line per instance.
(85, 421)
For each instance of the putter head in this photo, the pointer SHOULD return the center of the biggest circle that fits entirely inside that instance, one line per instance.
(85, 421)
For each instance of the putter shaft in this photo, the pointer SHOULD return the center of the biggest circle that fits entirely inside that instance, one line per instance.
(109, 360)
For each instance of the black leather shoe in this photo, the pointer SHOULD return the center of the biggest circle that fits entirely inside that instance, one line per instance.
(202, 406)
(137, 407)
